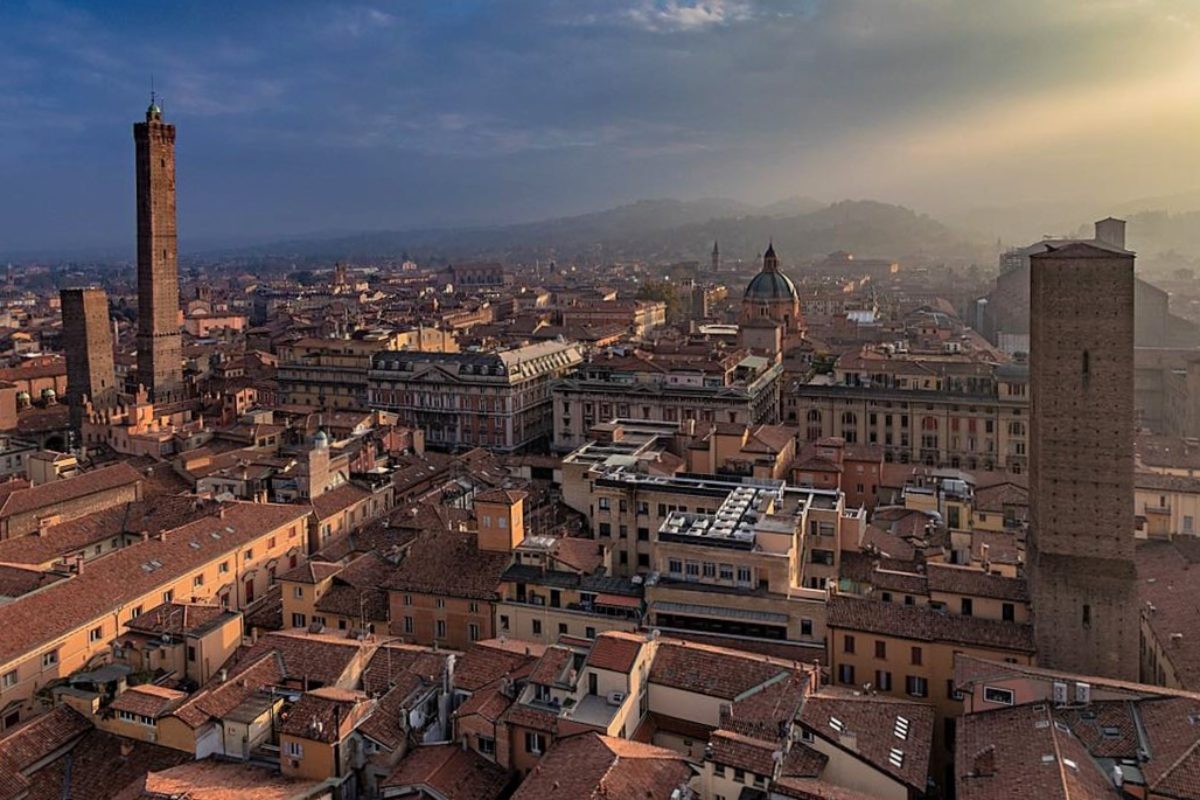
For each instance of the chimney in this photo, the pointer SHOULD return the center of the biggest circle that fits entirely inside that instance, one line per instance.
(1111, 231)
(126, 748)
(79, 564)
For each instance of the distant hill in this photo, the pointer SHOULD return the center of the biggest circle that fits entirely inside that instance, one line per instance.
(661, 230)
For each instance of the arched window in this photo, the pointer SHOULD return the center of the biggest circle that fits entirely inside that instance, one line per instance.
(929, 423)
(814, 415)
(849, 418)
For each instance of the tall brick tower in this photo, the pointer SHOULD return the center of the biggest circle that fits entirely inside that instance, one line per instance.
(87, 338)
(160, 352)
(1080, 545)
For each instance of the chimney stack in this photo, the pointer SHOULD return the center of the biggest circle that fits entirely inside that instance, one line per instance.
(1111, 231)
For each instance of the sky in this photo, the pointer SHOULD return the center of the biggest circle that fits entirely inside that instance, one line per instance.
(302, 117)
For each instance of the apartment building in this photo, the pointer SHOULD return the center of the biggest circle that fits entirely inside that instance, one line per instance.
(908, 652)
(501, 400)
(332, 373)
(26, 509)
(952, 412)
(637, 317)
(688, 385)
(559, 587)
(231, 556)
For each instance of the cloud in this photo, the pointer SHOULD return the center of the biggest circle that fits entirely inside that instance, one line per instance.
(672, 16)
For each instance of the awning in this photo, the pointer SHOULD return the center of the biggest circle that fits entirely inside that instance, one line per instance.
(618, 600)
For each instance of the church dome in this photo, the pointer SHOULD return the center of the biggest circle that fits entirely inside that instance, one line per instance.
(771, 284)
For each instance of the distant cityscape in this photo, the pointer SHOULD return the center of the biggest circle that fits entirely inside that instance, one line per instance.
(752, 526)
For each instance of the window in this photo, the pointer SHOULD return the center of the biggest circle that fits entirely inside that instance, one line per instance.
(298, 621)
(1087, 615)
(848, 644)
(9, 680)
(95, 634)
(605, 529)
(739, 775)
(603, 504)
(441, 629)
(298, 592)
(295, 749)
(440, 602)
(710, 570)
(408, 624)
(643, 559)
(249, 554)
(880, 649)
(727, 572)
(643, 534)
(537, 627)
(590, 632)
(967, 607)
(473, 632)
(136, 611)
(674, 566)
(191, 652)
(563, 630)
(1008, 612)
(916, 686)
(883, 680)
(408, 599)
(49, 658)
(846, 674)
(535, 743)
(223, 568)
(992, 694)
(198, 580)
(916, 657)
(952, 691)
(168, 595)
(806, 627)
(743, 575)
(487, 745)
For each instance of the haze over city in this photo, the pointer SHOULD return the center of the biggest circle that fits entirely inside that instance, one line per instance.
(584, 400)
(314, 117)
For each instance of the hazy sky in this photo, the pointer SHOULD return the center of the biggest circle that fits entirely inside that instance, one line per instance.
(298, 116)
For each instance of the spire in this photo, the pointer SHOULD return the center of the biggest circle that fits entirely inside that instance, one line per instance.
(154, 111)
(770, 260)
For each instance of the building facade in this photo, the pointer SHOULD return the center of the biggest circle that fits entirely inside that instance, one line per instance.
(501, 401)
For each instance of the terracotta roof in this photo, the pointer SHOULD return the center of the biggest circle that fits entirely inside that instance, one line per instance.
(317, 659)
(357, 590)
(489, 702)
(595, 766)
(1019, 752)
(492, 659)
(449, 771)
(218, 698)
(452, 565)
(1166, 583)
(393, 661)
(926, 624)
(616, 651)
(583, 555)
(713, 671)
(211, 779)
(338, 500)
(16, 581)
(30, 742)
(42, 617)
(499, 495)
(311, 572)
(742, 752)
(148, 700)
(972, 581)
(551, 666)
(61, 491)
(102, 765)
(322, 715)
(874, 721)
(766, 711)
(179, 618)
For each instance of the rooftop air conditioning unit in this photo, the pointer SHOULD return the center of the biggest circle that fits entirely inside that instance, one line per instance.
(1083, 692)
(616, 698)
(1060, 693)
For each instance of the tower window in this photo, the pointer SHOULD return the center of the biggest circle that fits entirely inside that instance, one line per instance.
(1087, 362)
(1087, 615)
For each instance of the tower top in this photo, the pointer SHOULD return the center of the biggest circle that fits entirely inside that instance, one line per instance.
(716, 249)
(770, 260)
(154, 111)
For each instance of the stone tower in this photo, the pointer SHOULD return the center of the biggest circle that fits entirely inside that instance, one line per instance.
(716, 258)
(1080, 557)
(160, 353)
(87, 339)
